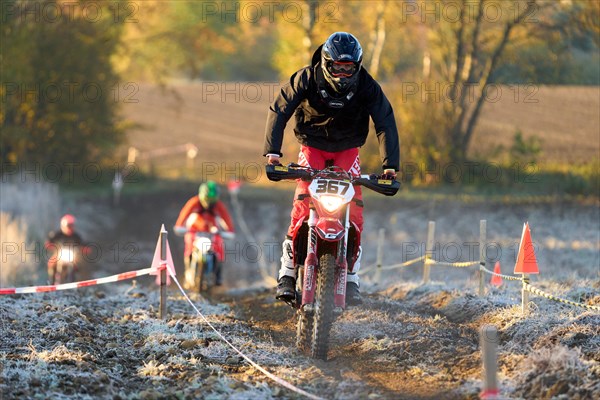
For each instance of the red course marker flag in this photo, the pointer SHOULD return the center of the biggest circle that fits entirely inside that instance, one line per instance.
(496, 280)
(234, 186)
(526, 261)
(157, 262)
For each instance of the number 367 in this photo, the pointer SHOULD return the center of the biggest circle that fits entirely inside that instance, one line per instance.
(332, 187)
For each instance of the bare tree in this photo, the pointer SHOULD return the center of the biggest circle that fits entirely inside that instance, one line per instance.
(309, 20)
(378, 38)
(470, 56)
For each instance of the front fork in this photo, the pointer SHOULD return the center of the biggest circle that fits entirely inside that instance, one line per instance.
(311, 263)
(341, 271)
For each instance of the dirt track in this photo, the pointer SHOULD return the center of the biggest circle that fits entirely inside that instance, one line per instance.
(370, 367)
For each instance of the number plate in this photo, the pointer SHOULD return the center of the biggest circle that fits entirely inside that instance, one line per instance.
(334, 187)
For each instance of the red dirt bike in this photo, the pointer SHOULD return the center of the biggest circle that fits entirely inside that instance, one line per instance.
(205, 265)
(321, 246)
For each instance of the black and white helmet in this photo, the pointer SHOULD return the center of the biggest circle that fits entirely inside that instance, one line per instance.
(341, 59)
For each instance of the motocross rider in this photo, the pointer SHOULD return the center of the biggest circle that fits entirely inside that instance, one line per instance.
(332, 100)
(63, 237)
(199, 214)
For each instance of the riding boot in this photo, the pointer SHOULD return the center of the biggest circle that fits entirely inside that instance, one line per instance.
(286, 284)
(353, 296)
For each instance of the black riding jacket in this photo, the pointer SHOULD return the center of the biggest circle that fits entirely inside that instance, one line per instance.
(59, 238)
(323, 124)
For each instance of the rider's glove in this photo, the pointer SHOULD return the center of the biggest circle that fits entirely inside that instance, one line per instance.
(273, 159)
(389, 173)
(180, 230)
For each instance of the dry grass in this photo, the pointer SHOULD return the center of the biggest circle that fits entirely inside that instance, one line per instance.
(228, 125)
(565, 118)
(37, 203)
(29, 210)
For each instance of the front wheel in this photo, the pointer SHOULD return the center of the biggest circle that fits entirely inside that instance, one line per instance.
(205, 272)
(304, 323)
(324, 297)
(61, 274)
(199, 266)
(72, 273)
(304, 327)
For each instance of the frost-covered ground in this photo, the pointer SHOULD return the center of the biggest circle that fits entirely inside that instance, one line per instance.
(408, 340)
(107, 343)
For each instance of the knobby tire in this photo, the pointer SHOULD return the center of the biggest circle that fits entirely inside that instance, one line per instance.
(324, 305)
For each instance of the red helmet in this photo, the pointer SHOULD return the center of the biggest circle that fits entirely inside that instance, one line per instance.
(67, 224)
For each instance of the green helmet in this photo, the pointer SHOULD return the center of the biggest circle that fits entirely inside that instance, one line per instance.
(208, 193)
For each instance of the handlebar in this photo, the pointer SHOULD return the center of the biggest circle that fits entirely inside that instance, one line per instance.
(290, 172)
(180, 231)
(227, 235)
(387, 187)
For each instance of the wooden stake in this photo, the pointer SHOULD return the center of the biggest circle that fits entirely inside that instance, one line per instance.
(524, 295)
(482, 240)
(163, 274)
(380, 241)
(428, 250)
(489, 355)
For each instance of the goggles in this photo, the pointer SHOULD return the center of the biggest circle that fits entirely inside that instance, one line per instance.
(342, 69)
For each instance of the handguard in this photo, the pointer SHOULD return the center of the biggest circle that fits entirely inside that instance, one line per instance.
(386, 187)
(280, 172)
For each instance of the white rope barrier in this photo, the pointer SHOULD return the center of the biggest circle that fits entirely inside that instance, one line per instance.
(273, 377)
(394, 266)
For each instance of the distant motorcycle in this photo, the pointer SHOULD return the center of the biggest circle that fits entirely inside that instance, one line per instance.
(205, 261)
(204, 264)
(66, 265)
(321, 248)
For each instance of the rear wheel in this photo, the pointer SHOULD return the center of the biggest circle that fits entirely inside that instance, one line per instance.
(324, 305)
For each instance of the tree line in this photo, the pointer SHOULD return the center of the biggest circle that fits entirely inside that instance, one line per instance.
(63, 61)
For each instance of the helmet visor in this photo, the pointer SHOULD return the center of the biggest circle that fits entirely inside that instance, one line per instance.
(342, 68)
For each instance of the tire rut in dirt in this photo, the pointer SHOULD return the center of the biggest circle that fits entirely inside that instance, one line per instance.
(324, 307)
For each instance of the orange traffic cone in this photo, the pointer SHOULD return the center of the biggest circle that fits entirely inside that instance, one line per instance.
(496, 280)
